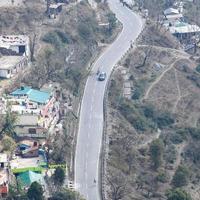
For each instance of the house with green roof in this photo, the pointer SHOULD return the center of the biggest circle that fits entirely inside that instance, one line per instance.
(26, 178)
(37, 96)
(37, 110)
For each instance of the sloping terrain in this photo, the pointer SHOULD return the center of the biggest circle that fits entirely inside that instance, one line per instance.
(154, 136)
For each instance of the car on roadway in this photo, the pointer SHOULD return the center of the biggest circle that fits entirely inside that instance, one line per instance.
(102, 76)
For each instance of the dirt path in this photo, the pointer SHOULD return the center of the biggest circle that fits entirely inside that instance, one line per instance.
(179, 51)
(179, 91)
(150, 139)
(174, 60)
(158, 79)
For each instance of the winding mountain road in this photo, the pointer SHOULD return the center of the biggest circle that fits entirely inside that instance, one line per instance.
(90, 131)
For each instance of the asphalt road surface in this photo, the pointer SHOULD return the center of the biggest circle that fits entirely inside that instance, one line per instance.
(91, 115)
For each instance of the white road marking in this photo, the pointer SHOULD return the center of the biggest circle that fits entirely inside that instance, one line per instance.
(91, 108)
(89, 149)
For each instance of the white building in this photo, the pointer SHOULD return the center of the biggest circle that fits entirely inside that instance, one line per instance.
(37, 110)
(130, 2)
(18, 43)
(171, 11)
(182, 30)
(11, 65)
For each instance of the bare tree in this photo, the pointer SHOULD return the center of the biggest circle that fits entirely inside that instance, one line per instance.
(32, 46)
(146, 57)
(118, 185)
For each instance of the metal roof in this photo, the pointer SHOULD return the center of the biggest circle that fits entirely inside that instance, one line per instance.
(26, 178)
(170, 11)
(9, 62)
(33, 95)
(184, 28)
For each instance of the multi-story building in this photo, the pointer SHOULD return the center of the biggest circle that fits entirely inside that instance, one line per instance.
(14, 51)
(16, 43)
(4, 176)
(37, 110)
(11, 65)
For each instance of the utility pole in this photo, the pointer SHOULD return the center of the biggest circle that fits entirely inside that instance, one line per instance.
(48, 6)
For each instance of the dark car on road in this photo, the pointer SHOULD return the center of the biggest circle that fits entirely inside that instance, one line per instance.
(102, 76)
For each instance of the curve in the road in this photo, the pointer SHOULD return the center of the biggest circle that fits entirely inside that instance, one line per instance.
(91, 115)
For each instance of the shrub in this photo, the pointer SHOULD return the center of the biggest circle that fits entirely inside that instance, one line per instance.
(35, 192)
(164, 119)
(193, 153)
(170, 154)
(181, 177)
(112, 21)
(149, 111)
(59, 176)
(176, 138)
(162, 177)
(139, 90)
(198, 68)
(156, 152)
(85, 31)
(63, 36)
(8, 144)
(194, 132)
(134, 114)
(52, 38)
(178, 194)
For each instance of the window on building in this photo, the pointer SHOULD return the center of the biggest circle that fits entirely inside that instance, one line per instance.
(32, 131)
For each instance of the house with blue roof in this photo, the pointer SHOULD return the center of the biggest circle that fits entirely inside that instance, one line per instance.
(26, 178)
(37, 96)
(37, 110)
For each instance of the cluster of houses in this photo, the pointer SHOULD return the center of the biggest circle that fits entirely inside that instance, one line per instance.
(26, 165)
(175, 22)
(37, 111)
(37, 114)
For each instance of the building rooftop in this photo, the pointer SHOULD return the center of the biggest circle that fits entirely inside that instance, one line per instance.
(26, 178)
(3, 176)
(55, 6)
(3, 158)
(8, 40)
(33, 95)
(31, 120)
(171, 11)
(182, 27)
(175, 16)
(7, 62)
(39, 96)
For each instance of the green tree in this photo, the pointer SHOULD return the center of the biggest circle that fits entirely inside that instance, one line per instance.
(181, 176)
(53, 38)
(156, 152)
(59, 176)
(16, 193)
(198, 68)
(8, 124)
(112, 21)
(178, 194)
(35, 192)
(66, 195)
(8, 143)
(162, 177)
(85, 32)
(164, 119)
